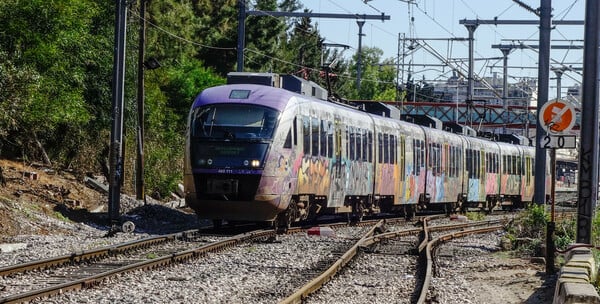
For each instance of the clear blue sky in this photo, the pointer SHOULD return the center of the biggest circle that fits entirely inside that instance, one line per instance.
(440, 19)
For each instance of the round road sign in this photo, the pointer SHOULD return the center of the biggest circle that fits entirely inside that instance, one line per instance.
(557, 116)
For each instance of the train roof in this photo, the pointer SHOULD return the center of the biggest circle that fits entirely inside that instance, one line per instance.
(245, 93)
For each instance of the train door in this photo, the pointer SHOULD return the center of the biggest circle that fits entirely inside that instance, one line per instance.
(338, 167)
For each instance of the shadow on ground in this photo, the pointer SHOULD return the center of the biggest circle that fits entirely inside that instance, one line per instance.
(149, 218)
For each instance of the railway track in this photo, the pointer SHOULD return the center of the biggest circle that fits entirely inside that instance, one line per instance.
(89, 268)
(85, 269)
(394, 250)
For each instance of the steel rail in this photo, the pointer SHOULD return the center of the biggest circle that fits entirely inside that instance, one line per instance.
(87, 255)
(324, 277)
(96, 279)
(441, 239)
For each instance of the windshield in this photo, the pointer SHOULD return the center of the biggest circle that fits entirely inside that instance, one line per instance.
(234, 121)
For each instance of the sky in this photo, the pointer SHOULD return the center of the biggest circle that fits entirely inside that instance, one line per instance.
(435, 20)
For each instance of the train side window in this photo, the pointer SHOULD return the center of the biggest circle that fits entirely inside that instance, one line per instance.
(422, 157)
(315, 136)
(514, 164)
(288, 140)
(477, 164)
(323, 138)
(386, 148)
(451, 161)
(365, 147)
(295, 131)
(352, 149)
(329, 139)
(392, 149)
(306, 135)
(380, 146)
(359, 146)
(395, 150)
(495, 162)
(503, 164)
(370, 146)
(470, 163)
(519, 165)
(402, 157)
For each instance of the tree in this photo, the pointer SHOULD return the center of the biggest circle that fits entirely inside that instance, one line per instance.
(59, 46)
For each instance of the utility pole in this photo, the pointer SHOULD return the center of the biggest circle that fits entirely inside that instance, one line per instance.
(116, 136)
(543, 85)
(587, 188)
(139, 164)
(241, 34)
(359, 56)
(471, 27)
(505, 51)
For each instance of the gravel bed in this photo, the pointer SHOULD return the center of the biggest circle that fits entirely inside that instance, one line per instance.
(474, 270)
(252, 273)
(384, 276)
(267, 273)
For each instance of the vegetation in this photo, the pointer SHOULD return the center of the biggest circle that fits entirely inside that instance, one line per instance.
(56, 70)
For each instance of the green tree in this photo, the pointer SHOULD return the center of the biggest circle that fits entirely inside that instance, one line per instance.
(56, 41)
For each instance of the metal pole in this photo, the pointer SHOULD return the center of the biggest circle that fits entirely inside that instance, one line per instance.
(398, 71)
(359, 56)
(241, 34)
(139, 165)
(587, 192)
(543, 78)
(471, 28)
(505, 52)
(116, 136)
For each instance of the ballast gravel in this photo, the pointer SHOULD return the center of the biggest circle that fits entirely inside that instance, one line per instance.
(267, 273)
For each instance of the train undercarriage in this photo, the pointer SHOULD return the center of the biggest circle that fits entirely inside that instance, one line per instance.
(308, 207)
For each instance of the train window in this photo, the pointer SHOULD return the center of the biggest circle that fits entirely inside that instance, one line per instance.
(402, 157)
(495, 162)
(470, 163)
(233, 121)
(438, 159)
(351, 144)
(365, 149)
(288, 140)
(422, 152)
(323, 139)
(329, 139)
(452, 162)
(477, 163)
(519, 165)
(294, 129)
(503, 164)
(315, 136)
(370, 146)
(386, 148)
(528, 170)
(306, 134)
(380, 146)
(514, 164)
(358, 136)
(394, 149)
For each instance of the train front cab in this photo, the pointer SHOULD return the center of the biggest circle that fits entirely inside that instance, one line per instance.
(226, 151)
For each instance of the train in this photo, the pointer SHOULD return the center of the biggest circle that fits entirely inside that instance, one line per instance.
(260, 152)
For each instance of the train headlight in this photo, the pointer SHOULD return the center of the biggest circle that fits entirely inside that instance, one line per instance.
(255, 163)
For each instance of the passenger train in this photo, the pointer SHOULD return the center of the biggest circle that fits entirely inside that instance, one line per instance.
(261, 153)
